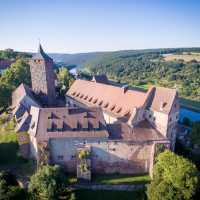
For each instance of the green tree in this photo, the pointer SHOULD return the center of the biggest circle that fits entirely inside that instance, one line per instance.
(11, 78)
(186, 121)
(174, 178)
(5, 94)
(195, 133)
(9, 189)
(65, 80)
(17, 73)
(47, 183)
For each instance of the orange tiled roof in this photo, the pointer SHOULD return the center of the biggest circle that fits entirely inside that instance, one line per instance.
(67, 122)
(163, 99)
(110, 98)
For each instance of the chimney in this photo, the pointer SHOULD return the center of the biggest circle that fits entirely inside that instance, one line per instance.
(125, 88)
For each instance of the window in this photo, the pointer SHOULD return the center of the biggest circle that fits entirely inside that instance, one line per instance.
(149, 115)
(119, 110)
(33, 125)
(95, 101)
(60, 157)
(112, 108)
(100, 103)
(73, 156)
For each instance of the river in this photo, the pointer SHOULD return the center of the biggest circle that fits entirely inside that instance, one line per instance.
(192, 115)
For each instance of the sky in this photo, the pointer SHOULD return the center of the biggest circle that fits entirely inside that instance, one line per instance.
(72, 26)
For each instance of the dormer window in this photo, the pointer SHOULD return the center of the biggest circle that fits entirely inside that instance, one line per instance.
(100, 103)
(33, 125)
(90, 99)
(163, 105)
(106, 105)
(112, 108)
(95, 101)
(78, 94)
(119, 110)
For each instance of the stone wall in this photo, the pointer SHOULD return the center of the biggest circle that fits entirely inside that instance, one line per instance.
(106, 156)
(43, 82)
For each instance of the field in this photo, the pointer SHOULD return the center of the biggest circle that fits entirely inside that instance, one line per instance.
(185, 56)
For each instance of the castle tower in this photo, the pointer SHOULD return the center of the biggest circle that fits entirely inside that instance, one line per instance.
(43, 77)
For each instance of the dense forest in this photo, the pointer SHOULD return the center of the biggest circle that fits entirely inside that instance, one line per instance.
(147, 67)
(12, 55)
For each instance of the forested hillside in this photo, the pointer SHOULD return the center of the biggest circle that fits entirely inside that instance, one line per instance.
(143, 68)
(12, 55)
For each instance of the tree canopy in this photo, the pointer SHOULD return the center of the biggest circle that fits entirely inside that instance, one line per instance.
(195, 133)
(46, 183)
(11, 78)
(174, 178)
(148, 67)
(65, 79)
(9, 189)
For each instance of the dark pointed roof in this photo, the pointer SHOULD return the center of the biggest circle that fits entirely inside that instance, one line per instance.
(41, 54)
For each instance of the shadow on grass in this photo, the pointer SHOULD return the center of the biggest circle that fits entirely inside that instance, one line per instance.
(109, 195)
(9, 153)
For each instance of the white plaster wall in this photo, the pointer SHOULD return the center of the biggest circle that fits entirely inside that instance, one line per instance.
(109, 119)
(33, 147)
(158, 120)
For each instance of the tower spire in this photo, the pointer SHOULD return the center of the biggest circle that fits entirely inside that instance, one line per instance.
(41, 54)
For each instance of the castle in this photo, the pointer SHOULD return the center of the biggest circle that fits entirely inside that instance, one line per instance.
(123, 129)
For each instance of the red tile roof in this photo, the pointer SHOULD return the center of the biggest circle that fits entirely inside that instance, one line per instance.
(141, 133)
(67, 122)
(110, 98)
(119, 101)
(163, 99)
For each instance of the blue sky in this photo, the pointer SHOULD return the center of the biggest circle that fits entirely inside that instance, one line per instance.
(70, 26)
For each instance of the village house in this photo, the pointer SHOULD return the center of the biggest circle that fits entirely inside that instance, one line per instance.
(122, 128)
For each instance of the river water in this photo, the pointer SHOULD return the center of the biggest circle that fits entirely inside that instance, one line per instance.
(192, 115)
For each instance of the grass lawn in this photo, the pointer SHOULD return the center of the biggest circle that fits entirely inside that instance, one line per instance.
(10, 158)
(121, 179)
(8, 144)
(114, 179)
(109, 195)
